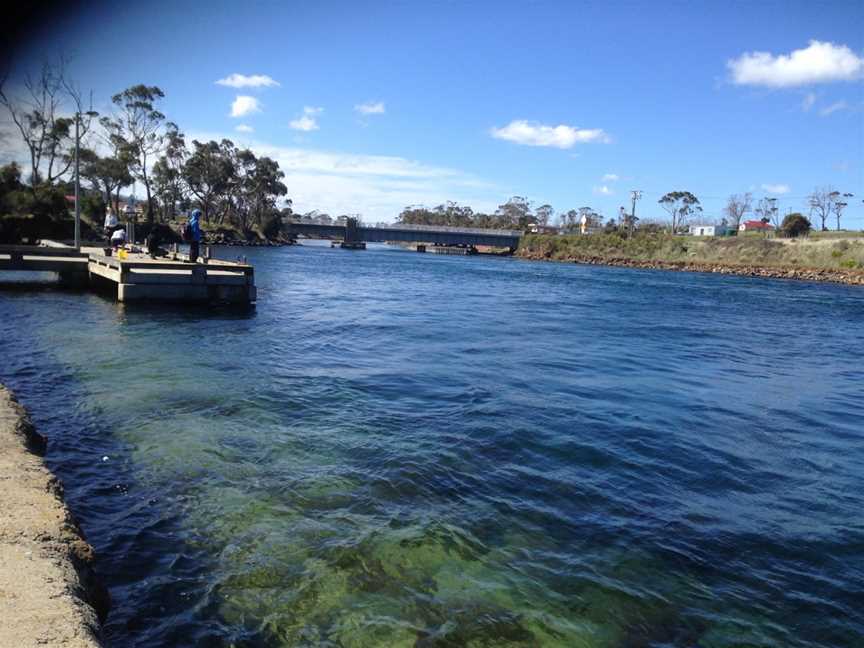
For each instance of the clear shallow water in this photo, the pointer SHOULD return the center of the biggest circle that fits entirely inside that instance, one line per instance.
(397, 449)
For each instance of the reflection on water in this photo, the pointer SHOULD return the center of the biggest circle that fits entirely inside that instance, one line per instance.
(403, 450)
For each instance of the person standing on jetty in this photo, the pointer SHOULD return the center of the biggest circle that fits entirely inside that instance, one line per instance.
(193, 230)
(110, 222)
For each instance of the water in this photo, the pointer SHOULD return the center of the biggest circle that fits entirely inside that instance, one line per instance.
(398, 449)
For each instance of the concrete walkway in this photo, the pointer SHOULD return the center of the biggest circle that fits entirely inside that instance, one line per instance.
(47, 587)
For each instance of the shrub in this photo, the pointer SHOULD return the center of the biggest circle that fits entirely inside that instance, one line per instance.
(795, 225)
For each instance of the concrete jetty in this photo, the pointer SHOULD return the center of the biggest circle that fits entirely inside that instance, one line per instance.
(136, 276)
(49, 595)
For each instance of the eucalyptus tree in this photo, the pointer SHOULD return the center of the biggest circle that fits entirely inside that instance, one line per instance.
(208, 174)
(841, 202)
(821, 202)
(44, 115)
(736, 206)
(680, 205)
(168, 170)
(570, 220)
(591, 218)
(516, 212)
(544, 214)
(108, 174)
(137, 129)
(264, 187)
(767, 210)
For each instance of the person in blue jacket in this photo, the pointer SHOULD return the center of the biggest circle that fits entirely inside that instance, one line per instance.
(194, 235)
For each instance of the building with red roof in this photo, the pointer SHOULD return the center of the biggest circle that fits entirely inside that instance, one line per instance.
(755, 226)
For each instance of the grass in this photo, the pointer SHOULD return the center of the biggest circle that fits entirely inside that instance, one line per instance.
(832, 252)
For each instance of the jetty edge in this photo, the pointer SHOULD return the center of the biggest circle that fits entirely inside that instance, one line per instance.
(49, 593)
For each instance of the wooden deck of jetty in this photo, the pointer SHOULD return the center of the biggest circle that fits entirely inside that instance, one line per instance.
(137, 277)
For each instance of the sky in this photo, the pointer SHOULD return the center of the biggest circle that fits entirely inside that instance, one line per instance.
(373, 106)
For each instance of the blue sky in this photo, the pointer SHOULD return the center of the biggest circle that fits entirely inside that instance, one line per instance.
(567, 103)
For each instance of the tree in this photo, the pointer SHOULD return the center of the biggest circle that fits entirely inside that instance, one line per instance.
(48, 135)
(767, 211)
(168, 170)
(591, 218)
(136, 128)
(822, 204)
(107, 175)
(570, 220)
(680, 205)
(841, 203)
(264, 187)
(516, 212)
(207, 173)
(795, 225)
(736, 206)
(544, 214)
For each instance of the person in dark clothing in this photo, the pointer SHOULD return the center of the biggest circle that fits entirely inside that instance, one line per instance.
(154, 238)
(195, 235)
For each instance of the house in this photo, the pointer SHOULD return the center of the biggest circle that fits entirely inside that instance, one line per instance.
(755, 226)
(708, 230)
(536, 228)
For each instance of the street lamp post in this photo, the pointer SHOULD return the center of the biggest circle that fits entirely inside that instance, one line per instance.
(77, 185)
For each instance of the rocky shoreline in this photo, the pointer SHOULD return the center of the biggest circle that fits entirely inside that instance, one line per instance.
(49, 594)
(830, 275)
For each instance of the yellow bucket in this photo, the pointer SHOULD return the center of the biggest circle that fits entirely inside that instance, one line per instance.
(122, 254)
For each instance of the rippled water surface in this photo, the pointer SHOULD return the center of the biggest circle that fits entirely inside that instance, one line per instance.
(397, 449)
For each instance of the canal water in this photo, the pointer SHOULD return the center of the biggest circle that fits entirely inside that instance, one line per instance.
(396, 449)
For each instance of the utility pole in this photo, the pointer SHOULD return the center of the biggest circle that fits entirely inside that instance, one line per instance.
(77, 184)
(635, 195)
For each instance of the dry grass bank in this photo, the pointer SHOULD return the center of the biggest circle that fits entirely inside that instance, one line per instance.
(819, 252)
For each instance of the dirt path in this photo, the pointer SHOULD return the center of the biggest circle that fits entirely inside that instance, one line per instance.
(47, 588)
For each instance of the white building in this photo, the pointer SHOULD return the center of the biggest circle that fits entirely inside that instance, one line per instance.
(708, 230)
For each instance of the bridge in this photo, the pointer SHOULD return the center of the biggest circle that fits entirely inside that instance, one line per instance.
(352, 232)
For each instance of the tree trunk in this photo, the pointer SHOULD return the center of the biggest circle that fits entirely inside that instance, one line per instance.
(149, 201)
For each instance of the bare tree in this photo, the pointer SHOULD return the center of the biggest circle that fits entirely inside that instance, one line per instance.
(39, 117)
(822, 204)
(736, 207)
(767, 211)
(841, 202)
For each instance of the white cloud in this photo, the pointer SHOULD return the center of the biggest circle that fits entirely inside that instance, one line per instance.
(252, 81)
(306, 122)
(245, 105)
(610, 177)
(377, 186)
(244, 128)
(776, 188)
(819, 62)
(371, 108)
(836, 106)
(808, 102)
(603, 191)
(533, 134)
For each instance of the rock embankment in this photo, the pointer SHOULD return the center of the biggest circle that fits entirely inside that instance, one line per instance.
(49, 595)
(851, 277)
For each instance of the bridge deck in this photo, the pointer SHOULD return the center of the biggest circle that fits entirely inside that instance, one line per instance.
(411, 234)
